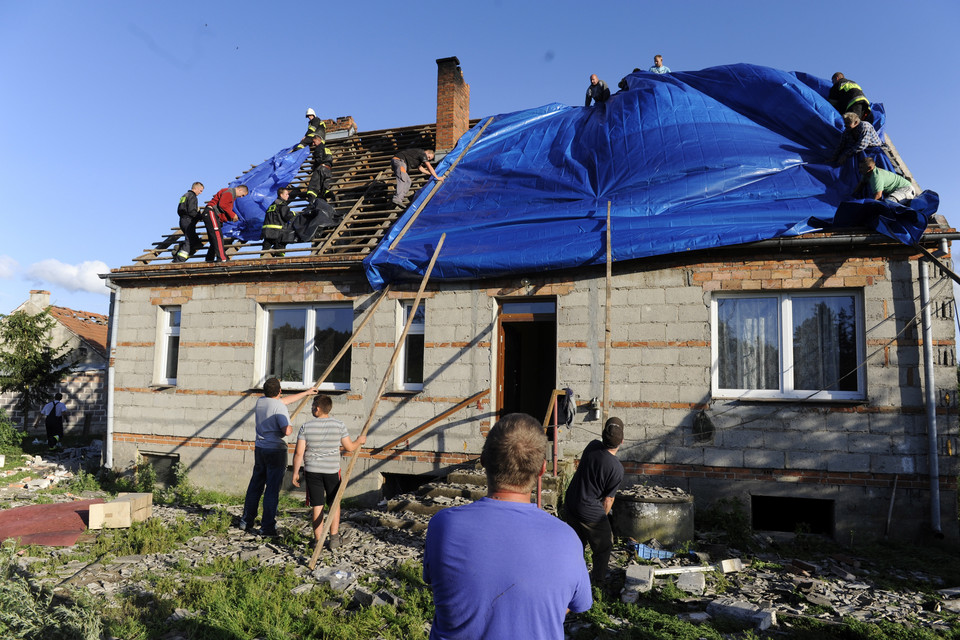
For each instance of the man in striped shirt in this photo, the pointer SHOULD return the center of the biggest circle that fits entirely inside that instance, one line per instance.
(318, 452)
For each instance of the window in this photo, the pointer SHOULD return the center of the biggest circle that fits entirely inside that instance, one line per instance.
(409, 373)
(301, 343)
(169, 344)
(788, 345)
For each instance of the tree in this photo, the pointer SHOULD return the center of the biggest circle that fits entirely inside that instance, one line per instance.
(29, 365)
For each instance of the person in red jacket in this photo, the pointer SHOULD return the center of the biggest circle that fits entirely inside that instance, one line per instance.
(220, 209)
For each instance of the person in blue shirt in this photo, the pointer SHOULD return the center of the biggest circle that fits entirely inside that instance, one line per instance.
(658, 65)
(501, 567)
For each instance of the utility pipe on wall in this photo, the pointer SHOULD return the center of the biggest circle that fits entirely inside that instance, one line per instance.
(930, 397)
(111, 357)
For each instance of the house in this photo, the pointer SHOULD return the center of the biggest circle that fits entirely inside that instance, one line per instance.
(811, 377)
(84, 387)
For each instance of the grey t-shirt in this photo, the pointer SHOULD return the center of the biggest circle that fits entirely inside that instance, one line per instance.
(322, 437)
(272, 421)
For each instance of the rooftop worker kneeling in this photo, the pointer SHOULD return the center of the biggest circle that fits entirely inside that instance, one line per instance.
(858, 136)
(277, 217)
(883, 184)
(598, 91)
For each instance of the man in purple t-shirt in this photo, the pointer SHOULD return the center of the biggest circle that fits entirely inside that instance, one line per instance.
(500, 567)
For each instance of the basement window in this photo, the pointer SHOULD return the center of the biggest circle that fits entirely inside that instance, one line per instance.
(302, 341)
(789, 345)
(792, 515)
(409, 368)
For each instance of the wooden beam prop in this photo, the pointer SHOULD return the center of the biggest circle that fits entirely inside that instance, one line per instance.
(449, 412)
(393, 245)
(606, 327)
(344, 349)
(345, 478)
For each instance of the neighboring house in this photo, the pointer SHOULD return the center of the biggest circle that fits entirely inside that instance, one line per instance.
(84, 387)
(711, 353)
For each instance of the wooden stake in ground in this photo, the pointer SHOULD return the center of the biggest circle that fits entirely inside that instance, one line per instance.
(606, 328)
(343, 350)
(345, 478)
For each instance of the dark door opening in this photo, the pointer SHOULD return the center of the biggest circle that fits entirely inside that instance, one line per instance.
(528, 354)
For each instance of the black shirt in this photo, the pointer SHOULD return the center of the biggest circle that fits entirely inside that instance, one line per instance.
(413, 158)
(598, 476)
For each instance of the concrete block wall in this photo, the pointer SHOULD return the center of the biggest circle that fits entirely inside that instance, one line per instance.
(660, 379)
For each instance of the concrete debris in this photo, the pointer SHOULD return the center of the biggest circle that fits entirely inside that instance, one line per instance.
(742, 612)
(648, 492)
(375, 543)
(694, 583)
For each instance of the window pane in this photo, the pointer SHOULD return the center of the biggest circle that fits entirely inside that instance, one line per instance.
(413, 364)
(174, 317)
(824, 343)
(749, 354)
(287, 329)
(531, 306)
(418, 319)
(334, 328)
(173, 356)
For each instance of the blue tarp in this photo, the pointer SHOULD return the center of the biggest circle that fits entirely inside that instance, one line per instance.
(263, 182)
(689, 160)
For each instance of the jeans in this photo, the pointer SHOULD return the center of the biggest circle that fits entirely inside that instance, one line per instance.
(269, 467)
(599, 535)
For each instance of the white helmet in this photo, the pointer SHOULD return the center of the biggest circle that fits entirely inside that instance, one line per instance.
(311, 112)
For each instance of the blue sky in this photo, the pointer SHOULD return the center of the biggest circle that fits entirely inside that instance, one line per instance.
(112, 109)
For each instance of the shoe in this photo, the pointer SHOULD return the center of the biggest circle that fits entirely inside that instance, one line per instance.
(269, 533)
(334, 541)
(243, 526)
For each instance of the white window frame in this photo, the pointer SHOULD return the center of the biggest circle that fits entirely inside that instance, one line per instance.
(310, 310)
(416, 329)
(785, 343)
(165, 331)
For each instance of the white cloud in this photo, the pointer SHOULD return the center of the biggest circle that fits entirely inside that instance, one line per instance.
(8, 267)
(80, 277)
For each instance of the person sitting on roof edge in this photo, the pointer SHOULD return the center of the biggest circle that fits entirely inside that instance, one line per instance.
(658, 65)
(857, 137)
(277, 217)
(315, 127)
(883, 184)
(846, 95)
(404, 162)
(189, 214)
(220, 209)
(598, 91)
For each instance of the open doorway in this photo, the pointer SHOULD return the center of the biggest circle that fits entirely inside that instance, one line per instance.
(527, 356)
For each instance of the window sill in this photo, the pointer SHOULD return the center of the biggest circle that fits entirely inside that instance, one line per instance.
(163, 386)
(402, 392)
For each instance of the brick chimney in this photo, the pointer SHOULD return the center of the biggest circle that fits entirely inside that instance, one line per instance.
(453, 104)
(342, 127)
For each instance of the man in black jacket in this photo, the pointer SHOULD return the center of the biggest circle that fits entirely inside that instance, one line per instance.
(277, 217)
(322, 173)
(189, 214)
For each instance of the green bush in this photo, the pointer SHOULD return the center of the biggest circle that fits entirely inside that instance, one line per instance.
(11, 438)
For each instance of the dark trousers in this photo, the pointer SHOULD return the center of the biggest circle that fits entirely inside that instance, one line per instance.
(268, 469)
(54, 431)
(319, 181)
(599, 535)
(191, 241)
(215, 252)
